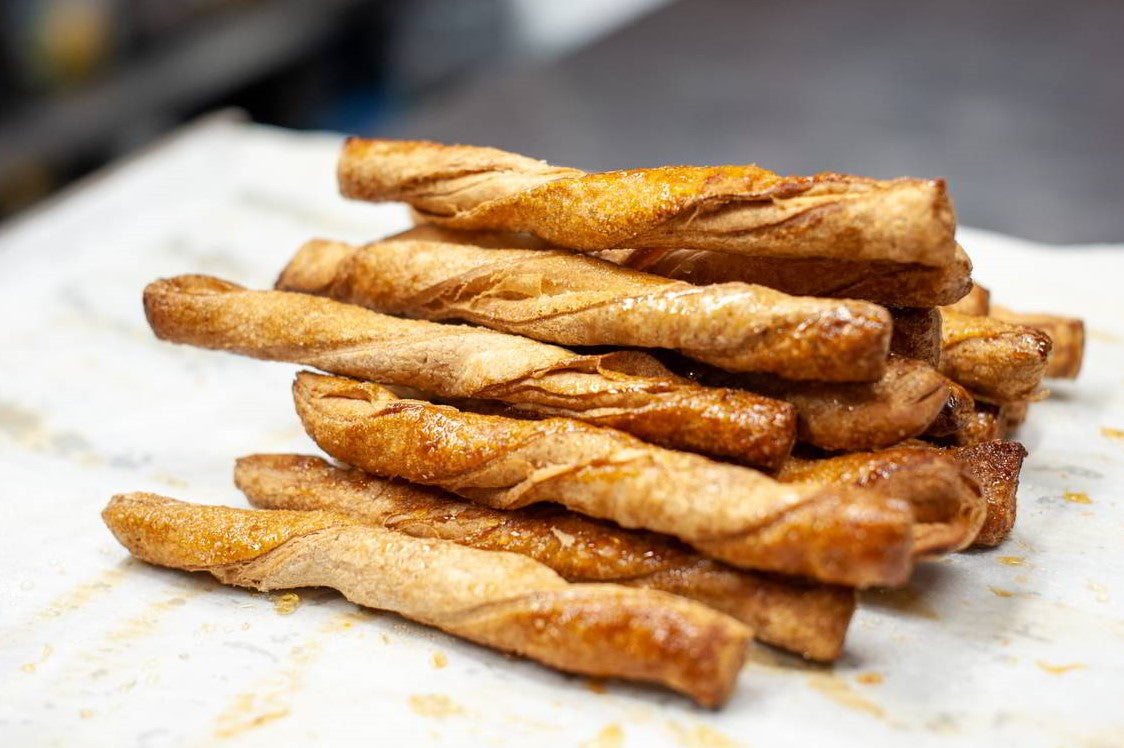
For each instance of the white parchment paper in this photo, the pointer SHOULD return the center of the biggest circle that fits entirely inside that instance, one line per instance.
(1020, 646)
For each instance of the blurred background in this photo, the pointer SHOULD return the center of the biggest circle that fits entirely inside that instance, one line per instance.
(1020, 105)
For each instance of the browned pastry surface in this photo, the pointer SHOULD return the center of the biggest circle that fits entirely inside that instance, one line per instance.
(1067, 335)
(996, 361)
(808, 619)
(501, 600)
(946, 502)
(958, 414)
(853, 416)
(917, 333)
(983, 424)
(740, 209)
(994, 465)
(888, 283)
(562, 297)
(626, 390)
(834, 534)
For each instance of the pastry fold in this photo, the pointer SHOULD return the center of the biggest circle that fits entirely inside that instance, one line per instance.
(734, 514)
(851, 416)
(947, 504)
(737, 209)
(808, 619)
(626, 390)
(561, 297)
(500, 600)
(889, 283)
(996, 361)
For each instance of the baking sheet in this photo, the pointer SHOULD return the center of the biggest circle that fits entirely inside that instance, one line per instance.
(1023, 645)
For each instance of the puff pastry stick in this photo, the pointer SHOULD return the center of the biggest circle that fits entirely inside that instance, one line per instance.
(830, 533)
(857, 416)
(808, 619)
(560, 297)
(887, 283)
(917, 333)
(946, 501)
(739, 209)
(501, 600)
(1067, 338)
(1067, 334)
(997, 362)
(627, 390)
(994, 465)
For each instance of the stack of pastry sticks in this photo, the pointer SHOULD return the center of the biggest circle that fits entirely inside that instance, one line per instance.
(618, 423)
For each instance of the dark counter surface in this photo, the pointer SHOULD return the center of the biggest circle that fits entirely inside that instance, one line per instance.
(1019, 105)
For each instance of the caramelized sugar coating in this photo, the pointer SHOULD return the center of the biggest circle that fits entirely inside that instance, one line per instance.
(737, 209)
(808, 619)
(500, 600)
(562, 297)
(834, 534)
(626, 390)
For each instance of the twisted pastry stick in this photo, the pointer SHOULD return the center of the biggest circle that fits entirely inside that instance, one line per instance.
(889, 283)
(738, 209)
(997, 362)
(851, 416)
(808, 619)
(629, 391)
(734, 514)
(947, 504)
(501, 600)
(561, 297)
(1066, 334)
(994, 466)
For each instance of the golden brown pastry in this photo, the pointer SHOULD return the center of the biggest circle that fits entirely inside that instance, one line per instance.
(739, 209)
(501, 600)
(561, 297)
(995, 466)
(983, 424)
(946, 502)
(888, 283)
(852, 416)
(997, 362)
(833, 534)
(625, 390)
(809, 619)
(1067, 336)
(917, 333)
(958, 414)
